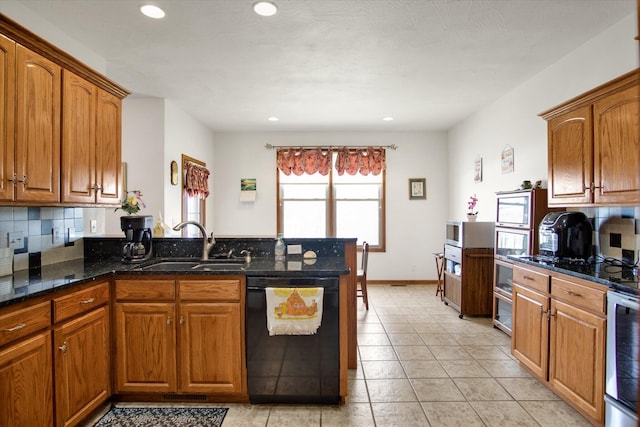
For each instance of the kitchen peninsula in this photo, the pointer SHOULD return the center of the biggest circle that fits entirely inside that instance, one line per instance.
(80, 307)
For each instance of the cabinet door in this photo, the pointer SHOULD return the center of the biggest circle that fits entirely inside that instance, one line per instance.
(530, 333)
(7, 115)
(617, 148)
(210, 348)
(145, 347)
(78, 139)
(452, 290)
(37, 127)
(26, 388)
(577, 354)
(108, 148)
(82, 366)
(570, 157)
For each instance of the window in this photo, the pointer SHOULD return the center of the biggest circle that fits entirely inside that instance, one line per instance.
(193, 205)
(333, 206)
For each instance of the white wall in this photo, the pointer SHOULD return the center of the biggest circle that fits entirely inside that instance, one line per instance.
(183, 135)
(155, 132)
(414, 229)
(513, 119)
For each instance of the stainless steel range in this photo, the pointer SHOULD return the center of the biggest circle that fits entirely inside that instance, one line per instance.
(622, 371)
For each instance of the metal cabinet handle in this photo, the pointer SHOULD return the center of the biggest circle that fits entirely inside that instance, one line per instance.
(528, 277)
(14, 179)
(88, 301)
(168, 321)
(181, 320)
(15, 328)
(63, 347)
(573, 294)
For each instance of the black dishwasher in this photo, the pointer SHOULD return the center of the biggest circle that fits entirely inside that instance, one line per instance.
(293, 368)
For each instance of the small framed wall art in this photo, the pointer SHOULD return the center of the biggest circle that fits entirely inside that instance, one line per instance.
(477, 175)
(417, 188)
(506, 159)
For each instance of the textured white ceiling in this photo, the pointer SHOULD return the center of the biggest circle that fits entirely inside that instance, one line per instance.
(331, 65)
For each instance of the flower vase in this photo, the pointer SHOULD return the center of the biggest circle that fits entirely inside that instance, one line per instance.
(472, 217)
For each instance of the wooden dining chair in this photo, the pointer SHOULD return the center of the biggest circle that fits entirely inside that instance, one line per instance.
(362, 276)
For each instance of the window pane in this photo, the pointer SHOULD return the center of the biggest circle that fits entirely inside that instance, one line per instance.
(357, 191)
(358, 219)
(304, 191)
(304, 218)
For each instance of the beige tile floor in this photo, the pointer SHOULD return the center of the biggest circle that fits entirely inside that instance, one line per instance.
(420, 365)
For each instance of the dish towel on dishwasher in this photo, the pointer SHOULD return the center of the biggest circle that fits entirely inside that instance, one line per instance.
(294, 311)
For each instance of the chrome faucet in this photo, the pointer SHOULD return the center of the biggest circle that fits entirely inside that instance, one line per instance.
(207, 242)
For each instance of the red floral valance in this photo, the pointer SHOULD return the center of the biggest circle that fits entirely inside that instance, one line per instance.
(350, 160)
(196, 180)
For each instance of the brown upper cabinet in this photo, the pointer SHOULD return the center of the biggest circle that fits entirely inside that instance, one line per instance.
(60, 123)
(594, 146)
(91, 129)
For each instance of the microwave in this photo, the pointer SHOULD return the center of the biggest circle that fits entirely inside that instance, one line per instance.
(514, 209)
(470, 234)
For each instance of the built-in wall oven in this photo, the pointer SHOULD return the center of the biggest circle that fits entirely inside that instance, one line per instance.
(623, 363)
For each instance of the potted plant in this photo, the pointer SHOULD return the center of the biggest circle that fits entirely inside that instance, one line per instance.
(472, 214)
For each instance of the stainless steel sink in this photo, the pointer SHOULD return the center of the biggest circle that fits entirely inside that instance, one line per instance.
(213, 265)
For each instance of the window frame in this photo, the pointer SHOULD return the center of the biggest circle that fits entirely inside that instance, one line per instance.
(331, 210)
(185, 196)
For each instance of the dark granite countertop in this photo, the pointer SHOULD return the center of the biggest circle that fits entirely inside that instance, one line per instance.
(26, 284)
(614, 276)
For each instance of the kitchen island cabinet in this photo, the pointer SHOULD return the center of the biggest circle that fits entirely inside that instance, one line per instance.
(180, 336)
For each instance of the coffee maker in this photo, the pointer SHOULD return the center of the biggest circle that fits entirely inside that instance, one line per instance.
(137, 230)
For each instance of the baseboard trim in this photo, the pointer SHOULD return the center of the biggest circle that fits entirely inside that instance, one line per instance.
(402, 282)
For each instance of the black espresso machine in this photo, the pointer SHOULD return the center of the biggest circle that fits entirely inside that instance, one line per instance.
(137, 230)
(565, 236)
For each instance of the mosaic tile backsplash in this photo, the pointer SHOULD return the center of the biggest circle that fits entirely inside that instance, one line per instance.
(616, 232)
(41, 235)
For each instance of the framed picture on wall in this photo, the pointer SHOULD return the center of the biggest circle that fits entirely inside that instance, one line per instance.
(477, 175)
(506, 160)
(417, 188)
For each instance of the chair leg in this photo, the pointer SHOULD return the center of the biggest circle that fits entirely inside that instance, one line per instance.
(363, 286)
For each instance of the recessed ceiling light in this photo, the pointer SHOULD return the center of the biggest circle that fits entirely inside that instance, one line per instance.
(265, 8)
(273, 119)
(387, 119)
(152, 11)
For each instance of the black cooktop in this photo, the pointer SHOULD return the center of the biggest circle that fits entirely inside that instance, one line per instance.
(608, 271)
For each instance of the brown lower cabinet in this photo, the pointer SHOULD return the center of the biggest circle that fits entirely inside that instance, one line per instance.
(47, 381)
(26, 387)
(179, 336)
(559, 326)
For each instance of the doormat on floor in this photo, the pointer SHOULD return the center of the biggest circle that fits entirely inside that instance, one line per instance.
(162, 417)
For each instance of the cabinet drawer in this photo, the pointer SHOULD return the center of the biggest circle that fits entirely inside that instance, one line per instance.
(453, 253)
(19, 323)
(578, 295)
(145, 289)
(531, 279)
(211, 290)
(80, 302)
